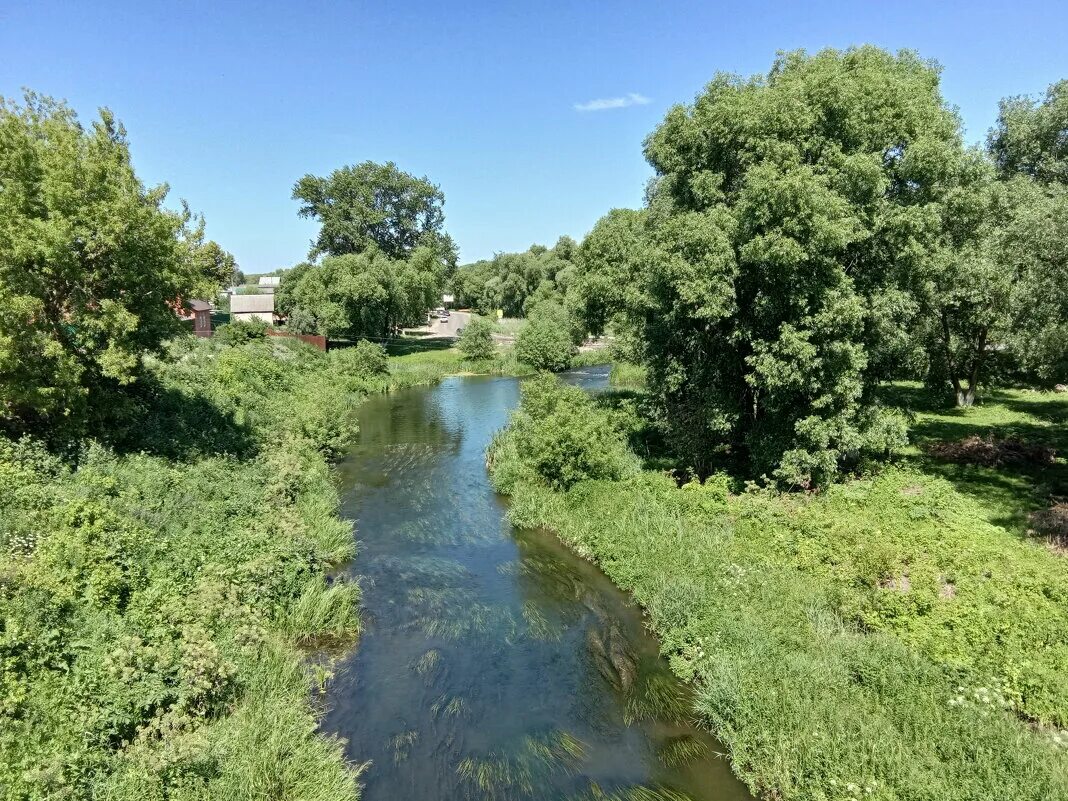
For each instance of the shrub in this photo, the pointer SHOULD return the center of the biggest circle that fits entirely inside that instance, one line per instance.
(302, 321)
(476, 341)
(241, 331)
(560, 436)
(154, 606)
(545, 341)
(365, 358)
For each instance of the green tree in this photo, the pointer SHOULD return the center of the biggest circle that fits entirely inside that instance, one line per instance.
(513, 281)
(1031, 248)
(998, 288)
(611, 258)
(361, 294)
(373, 205)
(559, 437)
(92, 266)
(1031, 138)
(476, 340)
(545, 341)
(789, 214)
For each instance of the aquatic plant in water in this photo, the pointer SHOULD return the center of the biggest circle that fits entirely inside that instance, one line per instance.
(504, 775)
(634, 793)
(681, 750)
(401, 744)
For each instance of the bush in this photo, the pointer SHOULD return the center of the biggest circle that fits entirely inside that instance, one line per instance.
(154, 607)
(476, 341)
(241, 331)
(545, 341)
(561, 437)
(302, 321)
(364, 358)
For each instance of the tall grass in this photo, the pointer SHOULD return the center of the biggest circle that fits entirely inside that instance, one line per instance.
(883, 640)
(158, 593)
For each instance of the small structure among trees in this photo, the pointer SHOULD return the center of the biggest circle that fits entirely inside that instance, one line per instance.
(252, 307)
(201, 311)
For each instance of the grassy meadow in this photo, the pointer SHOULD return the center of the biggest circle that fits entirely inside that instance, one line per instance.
(902, 635)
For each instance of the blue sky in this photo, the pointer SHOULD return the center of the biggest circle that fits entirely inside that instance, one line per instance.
(231, 102)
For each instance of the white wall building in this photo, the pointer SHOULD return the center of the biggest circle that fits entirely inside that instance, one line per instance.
(252, 307)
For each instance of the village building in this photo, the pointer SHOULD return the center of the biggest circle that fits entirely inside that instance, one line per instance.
(252, 307)
(269, 283)
(201, 311)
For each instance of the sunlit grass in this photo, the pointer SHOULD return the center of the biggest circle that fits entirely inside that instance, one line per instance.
(889, 635)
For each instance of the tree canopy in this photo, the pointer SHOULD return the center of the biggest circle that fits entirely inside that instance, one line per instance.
(375, 205)
(1031, 138)
(789, 218)
(360, 294)
(92, 266)
(512, 281)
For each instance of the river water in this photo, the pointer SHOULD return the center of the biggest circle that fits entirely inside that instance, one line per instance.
(494, 664)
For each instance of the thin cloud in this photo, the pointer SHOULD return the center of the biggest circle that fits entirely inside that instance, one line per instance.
(605, 103)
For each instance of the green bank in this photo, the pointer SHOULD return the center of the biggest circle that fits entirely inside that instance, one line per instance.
(888, 638)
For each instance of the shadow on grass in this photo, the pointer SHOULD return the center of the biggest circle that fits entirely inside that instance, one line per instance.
(149, 417)
(403, 346)
(1053, 411)
(1013, 491)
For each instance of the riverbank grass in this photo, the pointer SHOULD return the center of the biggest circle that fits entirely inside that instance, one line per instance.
(163, 581)
(885, 639)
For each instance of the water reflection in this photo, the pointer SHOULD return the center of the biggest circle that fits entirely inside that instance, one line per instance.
(495, 663)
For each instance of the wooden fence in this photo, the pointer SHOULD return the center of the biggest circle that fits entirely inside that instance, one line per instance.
(311, 339)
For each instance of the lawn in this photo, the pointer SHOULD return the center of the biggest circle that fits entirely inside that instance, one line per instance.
(1009, 493)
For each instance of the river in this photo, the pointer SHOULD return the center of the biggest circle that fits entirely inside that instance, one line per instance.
(494, 664)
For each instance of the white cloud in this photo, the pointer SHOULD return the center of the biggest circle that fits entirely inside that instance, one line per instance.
(605, 103)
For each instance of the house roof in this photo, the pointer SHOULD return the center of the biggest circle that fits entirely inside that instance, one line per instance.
(251, 303)
(198, 305)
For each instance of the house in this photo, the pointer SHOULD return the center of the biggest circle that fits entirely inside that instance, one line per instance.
(269, 283)
(252, 307)
(201, 311)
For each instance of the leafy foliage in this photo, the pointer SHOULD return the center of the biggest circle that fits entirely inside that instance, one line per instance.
(1030, 138)
(92, 267)
(558, 437)
(362, 294)
(375, 207)
(364, 359)
(789, 216)
(476, 341)
(545, 342)
(513, 282)
(241, 331)
(151, 604)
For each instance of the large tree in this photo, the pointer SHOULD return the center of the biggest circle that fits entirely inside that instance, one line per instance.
(361, 294)
(373, 205)
(1031, 138)
(92, 266)
(790, 217)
